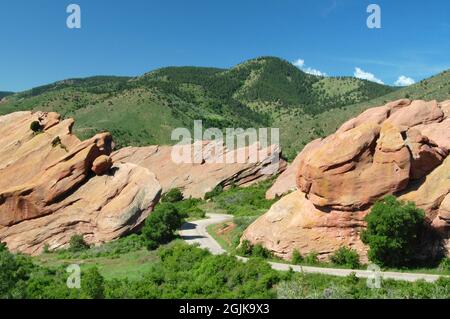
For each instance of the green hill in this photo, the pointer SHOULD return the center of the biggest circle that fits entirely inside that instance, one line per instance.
(3, 94)
(261, 92)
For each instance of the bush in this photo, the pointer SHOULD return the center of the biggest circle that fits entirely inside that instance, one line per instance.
(173, 196)
(261, 252)
(56, 141)
(312, 258)
(35, 126)
(393, 229)
(15, 271)
(93, 284)
(444, 265)
(297, 258)
(215, 192)
(346, 257)
(161, 225)
(190, 208)
(245, 248)
(78, 244)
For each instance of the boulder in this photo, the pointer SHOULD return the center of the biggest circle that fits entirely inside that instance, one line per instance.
(102, 165)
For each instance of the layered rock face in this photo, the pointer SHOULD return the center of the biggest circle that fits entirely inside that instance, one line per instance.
(400, 148)
(205, 168)
(53, 186)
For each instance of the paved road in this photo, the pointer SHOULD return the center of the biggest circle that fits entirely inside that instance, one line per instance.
(195, 233)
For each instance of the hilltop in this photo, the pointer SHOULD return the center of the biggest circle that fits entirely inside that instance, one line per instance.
(262, 92)
(4, 94)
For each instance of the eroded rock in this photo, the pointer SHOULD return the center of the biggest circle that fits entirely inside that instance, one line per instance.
(400, 148)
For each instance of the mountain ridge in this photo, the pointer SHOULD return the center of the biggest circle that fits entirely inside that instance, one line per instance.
(260, 92)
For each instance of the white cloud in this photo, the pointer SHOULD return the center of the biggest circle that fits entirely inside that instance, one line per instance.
(360, 74)
(300, 63)
(404, 81)
(314, 72)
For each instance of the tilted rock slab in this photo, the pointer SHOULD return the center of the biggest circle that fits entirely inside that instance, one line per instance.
(207, 168)
(48, 191)
(400, 148)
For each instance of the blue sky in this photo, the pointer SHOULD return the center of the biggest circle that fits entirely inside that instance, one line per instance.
(134, 36)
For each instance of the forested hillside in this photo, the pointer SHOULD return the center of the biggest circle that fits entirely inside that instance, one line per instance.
(261, 92)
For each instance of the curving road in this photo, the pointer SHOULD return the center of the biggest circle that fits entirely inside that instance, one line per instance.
(195, 233)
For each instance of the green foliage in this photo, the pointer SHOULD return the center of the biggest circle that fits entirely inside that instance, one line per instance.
(215, 192)
(260, 251)
(144, 110)
(444, 265)
(161, 225)
(297, 258)
(5, 94)
(187, 272)
(113, 249)
(393, 230)
(35, 126)
(245, 201)
(347, 257)
(248, 250)
(312, 258)
(92, 284)
(172, 196)
(77, 244)
(190, 208)
(245, 248)
(313, 286)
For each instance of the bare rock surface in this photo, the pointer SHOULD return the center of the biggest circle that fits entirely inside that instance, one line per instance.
(48, 191)
(400, 148)
(204, 170)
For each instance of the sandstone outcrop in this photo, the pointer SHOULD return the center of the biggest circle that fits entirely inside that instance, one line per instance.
(48, 191)
(206, 168)
(286, 182)
(400, 148)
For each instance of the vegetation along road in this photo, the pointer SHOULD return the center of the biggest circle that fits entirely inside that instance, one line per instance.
(195, 232)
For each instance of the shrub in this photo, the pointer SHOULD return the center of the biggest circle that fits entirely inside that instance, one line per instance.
(77, 244)
(245, 248)
(297, 258)
(190, 208)
(35, 126)
(346, 257)
(312, 258)
(393, 229)
(215, 192)
(173, 196)
(92, 284)
(161, 225)
(444, 265)
(260, 251)
(56, 141)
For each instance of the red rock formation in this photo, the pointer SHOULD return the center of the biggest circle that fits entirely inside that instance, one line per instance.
(399, 148)
(48, 191)
(207, 169)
